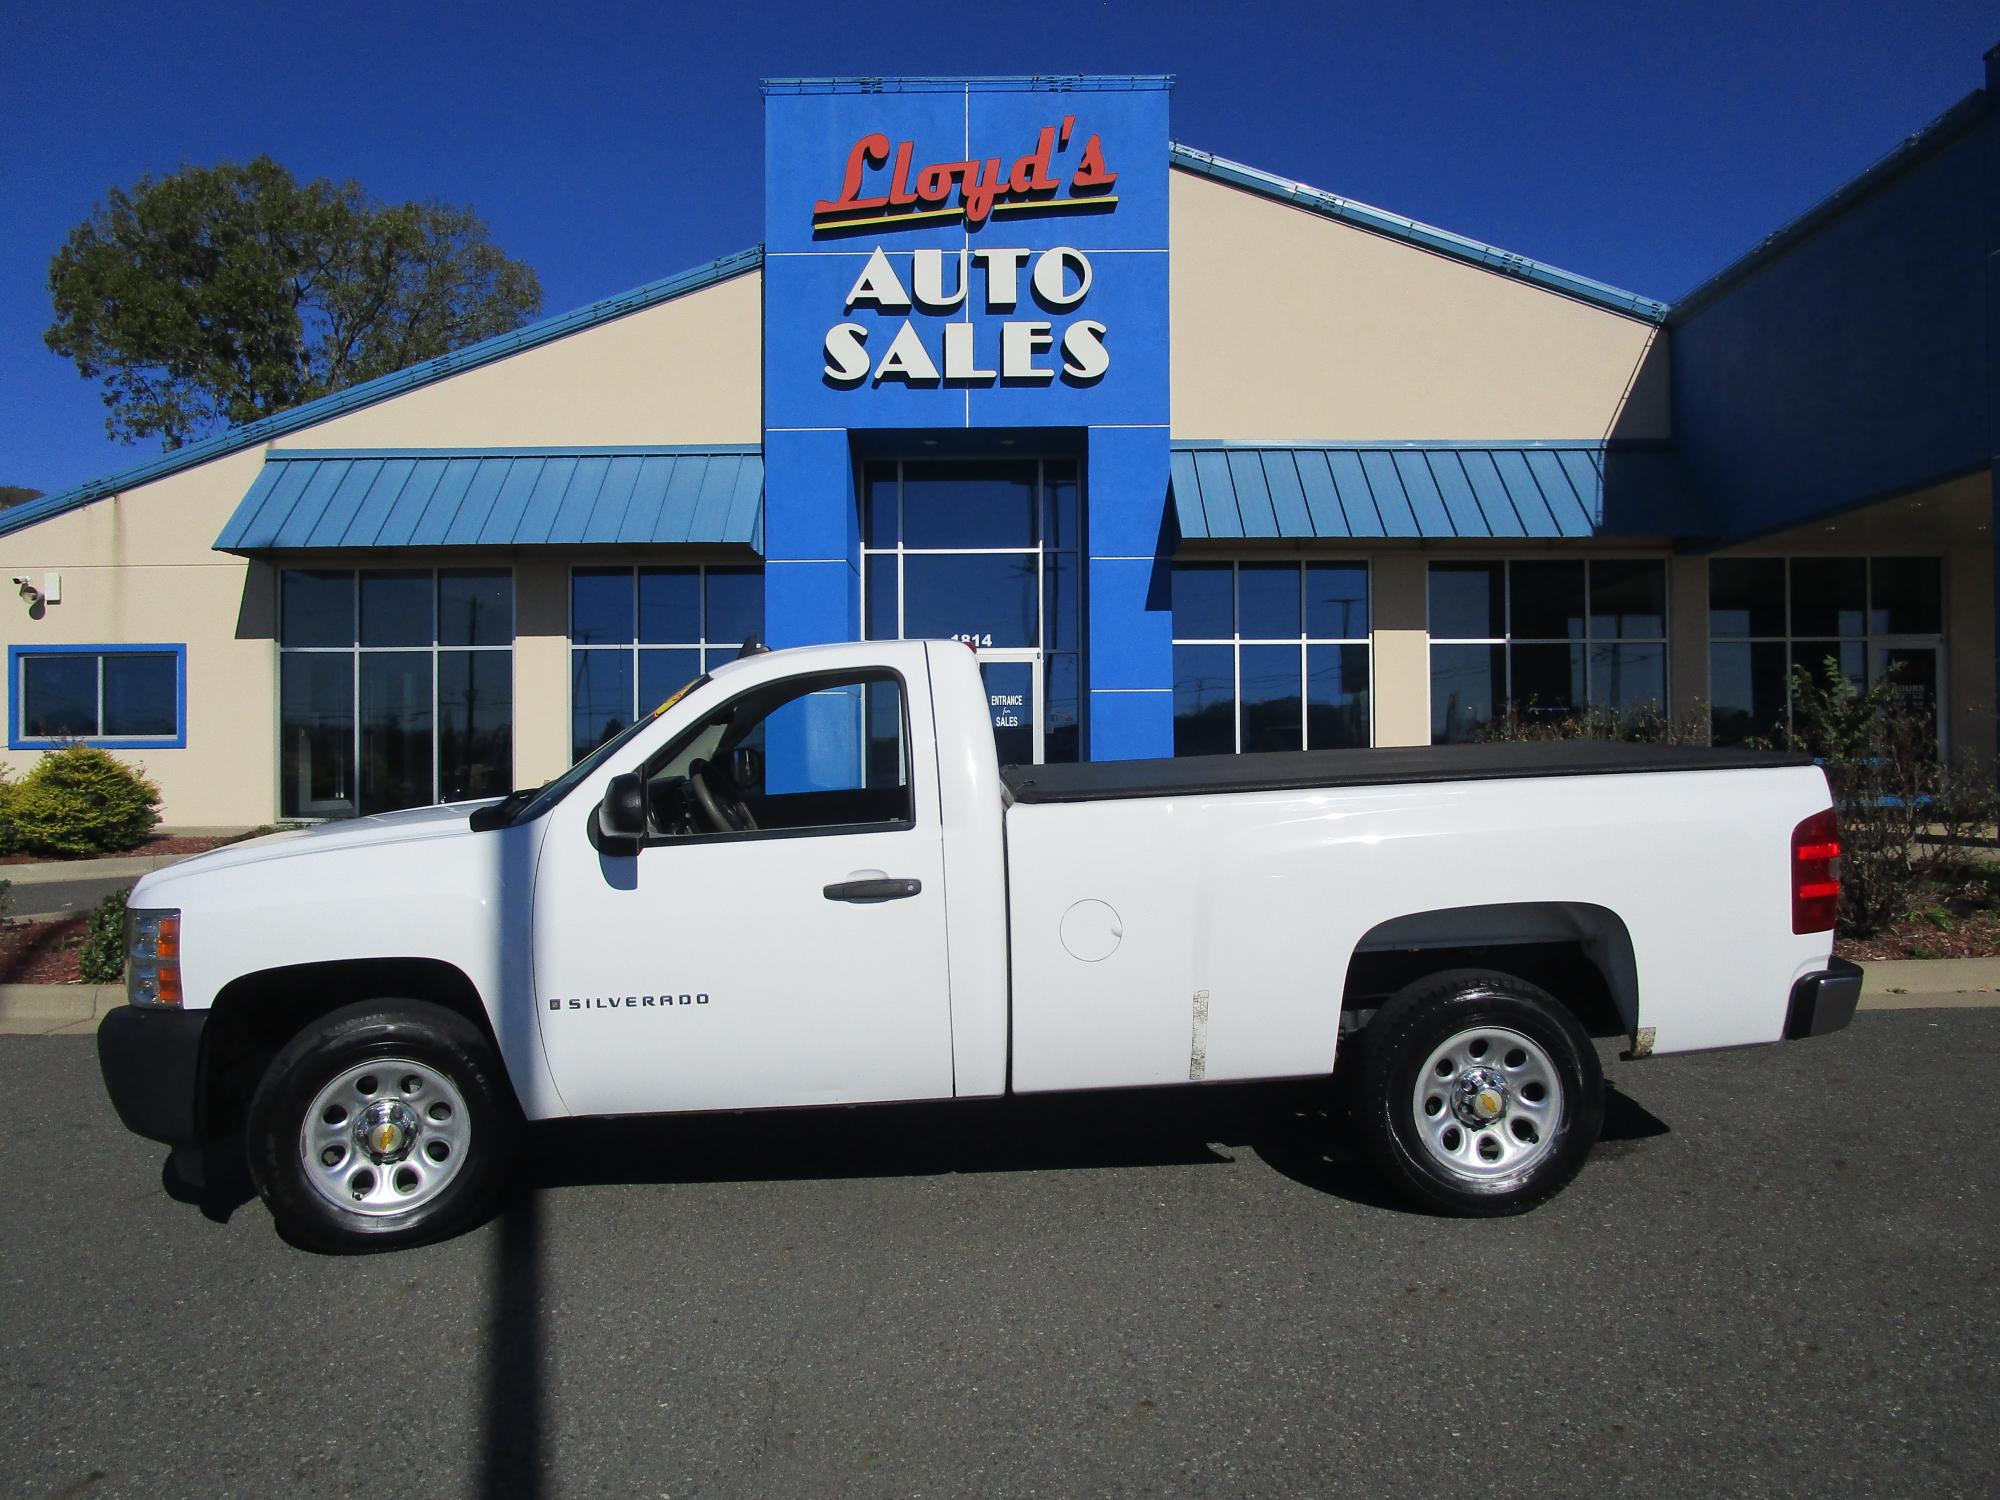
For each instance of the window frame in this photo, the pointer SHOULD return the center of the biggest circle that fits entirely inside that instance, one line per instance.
(637, 648)
(833, 676)
(1305, 640)
(356, 650)
(1868, 639)
(1507, 640)
(17, 672)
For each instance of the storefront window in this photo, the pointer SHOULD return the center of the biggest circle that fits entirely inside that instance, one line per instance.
(1766, 615)
(395, 688)
(1549, 638)
(985, 552)
(1270, 656)
(638, 634)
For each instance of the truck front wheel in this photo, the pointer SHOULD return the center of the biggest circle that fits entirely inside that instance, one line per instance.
(381, 1125)
(1478, 1093)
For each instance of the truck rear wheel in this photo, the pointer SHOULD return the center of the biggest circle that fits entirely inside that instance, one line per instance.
(383, 1124)
(1478, 1094)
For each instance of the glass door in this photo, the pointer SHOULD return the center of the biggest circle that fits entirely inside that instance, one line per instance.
(1014, 702)
(1918, 677)
(988, 552)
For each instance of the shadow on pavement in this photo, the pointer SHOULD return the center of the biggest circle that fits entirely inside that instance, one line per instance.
(1137, 1129)
(215, 1179)
(513, 1410)
(1297, 1132)
(1627, 1123)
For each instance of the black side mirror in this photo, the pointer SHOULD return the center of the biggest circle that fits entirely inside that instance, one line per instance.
(622, 813)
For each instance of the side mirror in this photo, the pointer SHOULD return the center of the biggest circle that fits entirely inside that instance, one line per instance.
(622, 813)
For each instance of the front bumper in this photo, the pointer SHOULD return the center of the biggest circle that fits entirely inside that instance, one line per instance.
(151, 1060)
(1823, 1002)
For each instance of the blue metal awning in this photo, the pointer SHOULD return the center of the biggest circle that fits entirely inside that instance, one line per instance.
(505, 497)
(1434, 491)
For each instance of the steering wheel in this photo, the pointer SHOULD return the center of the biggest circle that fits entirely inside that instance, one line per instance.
(719, 798)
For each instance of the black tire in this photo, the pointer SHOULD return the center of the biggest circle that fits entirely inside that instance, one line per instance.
(440, 1043)
(1407, 1033)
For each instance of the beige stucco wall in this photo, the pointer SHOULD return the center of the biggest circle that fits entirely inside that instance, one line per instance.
(140, 567)
(686, 371)
(1399, 604)
(1289, 325)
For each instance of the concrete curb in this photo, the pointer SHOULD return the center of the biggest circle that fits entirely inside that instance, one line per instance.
(49, 872)
(1917, 984)
(1930, 976)
(117, 868)
(56, 1009)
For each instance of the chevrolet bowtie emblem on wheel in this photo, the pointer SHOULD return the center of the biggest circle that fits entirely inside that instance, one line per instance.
(387, 1137)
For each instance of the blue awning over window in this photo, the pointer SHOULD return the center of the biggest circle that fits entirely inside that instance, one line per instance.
(1228, 491)
(501, 498)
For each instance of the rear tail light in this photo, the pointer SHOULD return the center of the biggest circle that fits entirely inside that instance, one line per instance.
(1816, 873)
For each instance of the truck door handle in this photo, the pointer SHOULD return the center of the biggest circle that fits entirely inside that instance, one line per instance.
(881, 888)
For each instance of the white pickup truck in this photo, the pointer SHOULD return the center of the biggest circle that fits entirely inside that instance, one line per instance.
(805, 881)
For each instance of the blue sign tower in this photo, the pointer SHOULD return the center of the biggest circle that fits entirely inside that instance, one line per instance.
(966, 388)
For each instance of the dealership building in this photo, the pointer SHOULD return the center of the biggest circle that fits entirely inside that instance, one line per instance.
(1198, 459)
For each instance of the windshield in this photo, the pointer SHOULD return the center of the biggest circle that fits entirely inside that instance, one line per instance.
(558, 789)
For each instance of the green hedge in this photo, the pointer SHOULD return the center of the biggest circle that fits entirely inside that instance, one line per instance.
(80, 800)
(102, 959)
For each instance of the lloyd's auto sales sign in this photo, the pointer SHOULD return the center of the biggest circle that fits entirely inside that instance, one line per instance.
(1036, 327)
(965, 253)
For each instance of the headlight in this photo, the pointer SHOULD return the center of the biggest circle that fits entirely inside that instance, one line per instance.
(153, 957)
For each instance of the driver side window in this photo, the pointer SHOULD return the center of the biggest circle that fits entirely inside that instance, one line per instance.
(822, 752)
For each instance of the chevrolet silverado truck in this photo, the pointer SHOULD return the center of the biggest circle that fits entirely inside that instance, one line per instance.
(806, 881)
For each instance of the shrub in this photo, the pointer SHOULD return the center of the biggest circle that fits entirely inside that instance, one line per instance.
(102, 958)
(7, 841)
(1647, 725)
(1907, 818)
(82, 800)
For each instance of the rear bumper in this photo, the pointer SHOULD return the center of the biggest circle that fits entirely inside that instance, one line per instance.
(151, 1060)
(1823, 1002)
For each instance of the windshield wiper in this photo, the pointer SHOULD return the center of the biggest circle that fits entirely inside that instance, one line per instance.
(500, 814)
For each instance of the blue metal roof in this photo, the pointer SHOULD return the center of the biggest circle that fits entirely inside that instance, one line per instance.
(382, 388)
(507, 497)
(1433, 491)
(1442, 241)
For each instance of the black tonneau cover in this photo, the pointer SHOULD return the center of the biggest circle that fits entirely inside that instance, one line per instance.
(1285, 770)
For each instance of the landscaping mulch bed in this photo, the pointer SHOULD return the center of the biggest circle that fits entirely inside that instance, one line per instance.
(1973, 935)
(42, 952)
(199, 845)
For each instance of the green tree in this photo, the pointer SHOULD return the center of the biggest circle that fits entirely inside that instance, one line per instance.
(218, 295)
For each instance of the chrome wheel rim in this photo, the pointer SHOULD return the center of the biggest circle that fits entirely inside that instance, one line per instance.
(384, 1137)
(1487, 1102)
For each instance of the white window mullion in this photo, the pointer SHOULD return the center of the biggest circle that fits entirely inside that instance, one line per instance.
(1236, 688)
(437, 687)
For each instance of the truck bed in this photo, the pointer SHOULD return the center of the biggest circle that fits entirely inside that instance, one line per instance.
(1287, 770)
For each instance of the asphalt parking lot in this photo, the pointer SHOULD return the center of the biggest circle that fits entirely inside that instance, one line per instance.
(1778, 1275)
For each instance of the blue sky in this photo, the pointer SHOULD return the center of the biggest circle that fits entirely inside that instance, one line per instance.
(608, 145)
